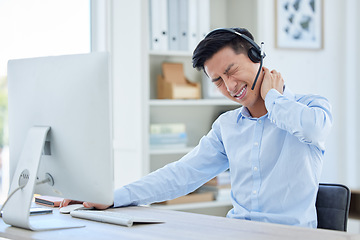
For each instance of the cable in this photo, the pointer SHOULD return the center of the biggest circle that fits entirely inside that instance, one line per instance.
(10, 195)
(44, 181)
(17, 189)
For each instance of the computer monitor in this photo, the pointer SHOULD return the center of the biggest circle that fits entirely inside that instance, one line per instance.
(60, 131)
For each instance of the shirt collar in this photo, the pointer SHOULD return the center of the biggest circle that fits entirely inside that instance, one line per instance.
(244, 112)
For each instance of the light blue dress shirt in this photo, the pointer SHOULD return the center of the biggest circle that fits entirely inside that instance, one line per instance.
(275, 162)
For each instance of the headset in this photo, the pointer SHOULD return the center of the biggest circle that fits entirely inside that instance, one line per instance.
(255, 53)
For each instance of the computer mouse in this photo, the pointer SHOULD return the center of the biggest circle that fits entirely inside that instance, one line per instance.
(71, 207)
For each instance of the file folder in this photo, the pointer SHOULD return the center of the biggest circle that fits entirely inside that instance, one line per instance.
(158, 25)
(173, 18)
(183, 25)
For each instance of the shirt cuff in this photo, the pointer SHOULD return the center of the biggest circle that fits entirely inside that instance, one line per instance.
(270, 98)
(122, 197)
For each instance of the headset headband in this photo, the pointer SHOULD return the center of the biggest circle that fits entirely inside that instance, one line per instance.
(259, 49)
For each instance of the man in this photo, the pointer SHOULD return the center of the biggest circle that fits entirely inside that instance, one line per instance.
(273, 144)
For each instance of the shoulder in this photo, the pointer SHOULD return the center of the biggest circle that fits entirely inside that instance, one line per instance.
(312, 99)
(225, 121)
(230, 115)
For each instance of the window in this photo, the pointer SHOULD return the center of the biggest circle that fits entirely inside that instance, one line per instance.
(33, 29)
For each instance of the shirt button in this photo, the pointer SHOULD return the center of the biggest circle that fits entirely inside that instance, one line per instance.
(259, 121)
(254, 192)
(256, 144)
(255, 168)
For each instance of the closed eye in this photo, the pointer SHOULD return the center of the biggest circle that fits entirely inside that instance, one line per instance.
(233, 71)
(217, 81)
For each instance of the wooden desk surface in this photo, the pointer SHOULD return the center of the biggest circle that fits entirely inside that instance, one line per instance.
(178, 225)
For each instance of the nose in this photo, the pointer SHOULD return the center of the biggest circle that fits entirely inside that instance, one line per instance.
(230, 84)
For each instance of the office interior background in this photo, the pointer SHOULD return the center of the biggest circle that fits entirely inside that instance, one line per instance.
(56, 27)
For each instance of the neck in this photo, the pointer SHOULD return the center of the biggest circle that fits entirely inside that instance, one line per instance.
(258, 109)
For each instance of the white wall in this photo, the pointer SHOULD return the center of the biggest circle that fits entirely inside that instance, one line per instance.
(128, 41)
(330, 72)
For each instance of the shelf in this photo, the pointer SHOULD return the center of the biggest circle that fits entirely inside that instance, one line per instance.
(165, 151)
(193, 102)
(197, 205)
(170, 53)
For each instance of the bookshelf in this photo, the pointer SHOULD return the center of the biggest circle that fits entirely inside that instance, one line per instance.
(198, 115)
(144, 65)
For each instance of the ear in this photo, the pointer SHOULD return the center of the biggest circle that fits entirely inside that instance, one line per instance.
(254, 55)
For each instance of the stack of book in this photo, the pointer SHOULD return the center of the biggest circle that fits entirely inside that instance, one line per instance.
(171, 135)
(48, 201)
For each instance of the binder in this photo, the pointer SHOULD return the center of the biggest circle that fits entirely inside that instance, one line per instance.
(158, 25)
(192, 24)
(183, 25)
(173, 24)
(203, 18)
(178, 24)
(164, 29)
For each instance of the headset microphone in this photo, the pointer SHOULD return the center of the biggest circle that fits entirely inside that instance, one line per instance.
(262, 55)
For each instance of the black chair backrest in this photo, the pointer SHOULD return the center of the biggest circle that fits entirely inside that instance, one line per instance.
(332, 206)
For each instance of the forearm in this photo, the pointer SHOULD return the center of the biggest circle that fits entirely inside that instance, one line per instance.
(309, 118)
(175, 179)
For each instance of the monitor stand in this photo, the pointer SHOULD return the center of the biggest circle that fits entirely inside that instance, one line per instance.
(16, 211)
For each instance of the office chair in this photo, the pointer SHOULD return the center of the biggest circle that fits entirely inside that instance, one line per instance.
(332, 206)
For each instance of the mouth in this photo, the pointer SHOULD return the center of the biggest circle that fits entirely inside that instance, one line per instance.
(241, 94)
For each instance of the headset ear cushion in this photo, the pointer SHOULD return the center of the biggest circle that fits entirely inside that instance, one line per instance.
(254, 55)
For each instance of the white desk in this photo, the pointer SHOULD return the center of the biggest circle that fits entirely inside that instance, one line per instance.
(178, 225)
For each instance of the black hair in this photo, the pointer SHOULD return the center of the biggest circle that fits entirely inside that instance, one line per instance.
(217, 40)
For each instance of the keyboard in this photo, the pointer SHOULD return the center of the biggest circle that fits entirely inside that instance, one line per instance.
(112, 217)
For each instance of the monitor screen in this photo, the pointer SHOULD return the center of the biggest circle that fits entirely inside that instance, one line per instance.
(72, 96)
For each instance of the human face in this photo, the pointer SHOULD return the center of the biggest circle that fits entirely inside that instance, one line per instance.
(234, 75)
